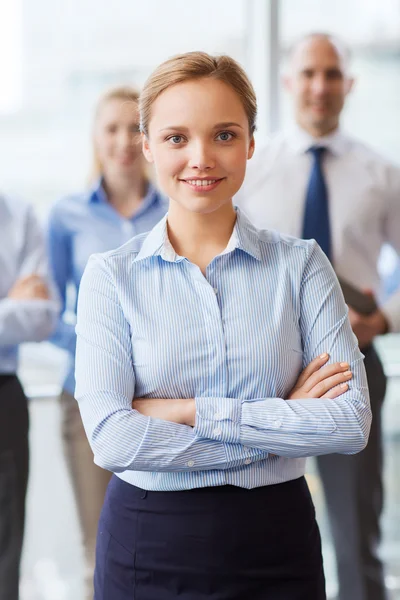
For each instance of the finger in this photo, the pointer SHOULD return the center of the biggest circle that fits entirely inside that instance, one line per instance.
(336, 391)
(325, 373)
(327, 384)
(311, 368)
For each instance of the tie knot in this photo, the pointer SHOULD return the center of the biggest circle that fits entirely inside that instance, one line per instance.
(317, 151)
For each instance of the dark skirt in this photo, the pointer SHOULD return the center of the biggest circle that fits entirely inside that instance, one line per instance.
(221, 543)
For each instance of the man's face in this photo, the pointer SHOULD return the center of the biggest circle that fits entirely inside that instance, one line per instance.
(319, 83)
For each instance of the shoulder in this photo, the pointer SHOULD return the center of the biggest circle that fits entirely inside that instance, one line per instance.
(300, 263)
(276, 246)
(271, 239)
(68, 204)
(66, 212)
(370, 157)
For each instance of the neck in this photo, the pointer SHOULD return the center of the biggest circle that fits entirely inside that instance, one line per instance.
(125, 194)
(316, 131)
(197, 236)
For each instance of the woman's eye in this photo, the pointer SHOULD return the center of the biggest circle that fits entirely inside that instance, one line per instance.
(175, 139)
(225, 136)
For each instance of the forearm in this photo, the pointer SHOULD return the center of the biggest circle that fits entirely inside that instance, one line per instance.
(293, 428)
(125, 439)
(26, 320)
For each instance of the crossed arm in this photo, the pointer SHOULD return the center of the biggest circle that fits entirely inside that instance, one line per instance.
(313, 382)
(158, 435)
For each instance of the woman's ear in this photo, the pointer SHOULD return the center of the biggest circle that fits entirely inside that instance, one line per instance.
(252, 146)
(146, 148)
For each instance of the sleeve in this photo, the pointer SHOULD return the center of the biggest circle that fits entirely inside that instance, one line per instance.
(391, 308)
(29, 320)
(122, 438)
(309, 427)
(59, 251)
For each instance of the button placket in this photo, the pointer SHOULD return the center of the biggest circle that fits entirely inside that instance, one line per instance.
(213, 326)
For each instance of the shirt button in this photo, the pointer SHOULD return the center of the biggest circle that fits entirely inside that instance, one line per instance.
(217, 431)
(218, 417)
(190, 463)
(215, 291)
(278, 423)
(247, 461)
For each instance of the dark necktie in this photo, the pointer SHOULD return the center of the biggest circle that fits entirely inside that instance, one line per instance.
(316, 211)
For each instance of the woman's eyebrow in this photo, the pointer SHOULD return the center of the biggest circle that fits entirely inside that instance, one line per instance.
(217, 126)
(173, 127)
(227, 124)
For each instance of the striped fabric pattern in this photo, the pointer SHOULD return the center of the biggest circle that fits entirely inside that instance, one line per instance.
(151, 325)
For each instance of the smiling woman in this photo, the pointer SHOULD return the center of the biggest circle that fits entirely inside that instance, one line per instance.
(191, 344)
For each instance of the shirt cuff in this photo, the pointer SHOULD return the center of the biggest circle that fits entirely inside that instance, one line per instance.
(218, 419)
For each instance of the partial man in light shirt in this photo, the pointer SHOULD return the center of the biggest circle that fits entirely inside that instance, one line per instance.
(318, 182)
(28, 313)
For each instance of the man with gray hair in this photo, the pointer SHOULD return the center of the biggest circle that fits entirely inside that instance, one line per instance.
(317, 182)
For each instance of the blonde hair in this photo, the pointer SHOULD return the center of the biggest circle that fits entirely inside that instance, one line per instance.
(196, 65)
(125, 94)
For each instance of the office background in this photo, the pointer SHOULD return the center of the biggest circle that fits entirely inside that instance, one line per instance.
(55, 59)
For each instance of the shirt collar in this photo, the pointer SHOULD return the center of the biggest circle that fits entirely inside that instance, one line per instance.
(244, 237)
(97, 193)
(300, 141)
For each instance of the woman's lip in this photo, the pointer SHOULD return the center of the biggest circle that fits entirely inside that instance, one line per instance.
(200, 178)
(202, 188)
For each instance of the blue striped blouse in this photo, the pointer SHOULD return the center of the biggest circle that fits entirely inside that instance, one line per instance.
(151, 325)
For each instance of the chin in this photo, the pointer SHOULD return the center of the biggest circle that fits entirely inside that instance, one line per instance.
(202, 205)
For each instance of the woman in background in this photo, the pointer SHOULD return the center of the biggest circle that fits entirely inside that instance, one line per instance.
(120, 204)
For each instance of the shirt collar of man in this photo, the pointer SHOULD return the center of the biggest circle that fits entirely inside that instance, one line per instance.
(244, 237)
(300, 141)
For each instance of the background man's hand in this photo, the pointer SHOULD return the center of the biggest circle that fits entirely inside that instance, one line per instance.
(31, 287)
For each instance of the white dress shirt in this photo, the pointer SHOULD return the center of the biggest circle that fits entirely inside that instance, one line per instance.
(22, 253)
(364, 202)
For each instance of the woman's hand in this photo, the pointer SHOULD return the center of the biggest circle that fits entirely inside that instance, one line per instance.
(182, 411)
(315, 382)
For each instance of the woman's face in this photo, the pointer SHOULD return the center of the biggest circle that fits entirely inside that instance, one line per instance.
(199, 142)
(117, 138)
